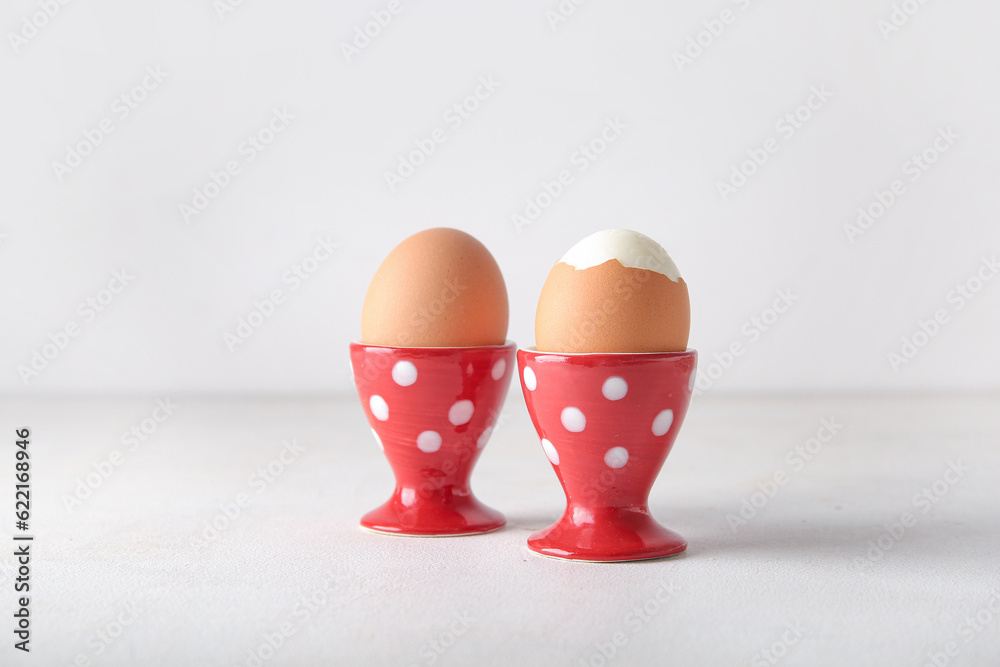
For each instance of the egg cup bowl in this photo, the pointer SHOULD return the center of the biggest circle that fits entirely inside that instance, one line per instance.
(607, 422)
(432, 409)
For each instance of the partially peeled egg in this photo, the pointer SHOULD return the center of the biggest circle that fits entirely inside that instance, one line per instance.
(614, 291)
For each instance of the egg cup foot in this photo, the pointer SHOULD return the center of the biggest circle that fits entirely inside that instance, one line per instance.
(433, 517)
(611, 534)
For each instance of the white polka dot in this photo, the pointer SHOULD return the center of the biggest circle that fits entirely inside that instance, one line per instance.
(404, 373)
(550, 451)
(614, 388)
(616, 457)
(429, 441)
(499, 368)
(692, 379)
(407, 496)
(378, 440)
(573, 419)
(380, 409)
(461, 413)
(484, 437)
(662, 422)
(529, 378)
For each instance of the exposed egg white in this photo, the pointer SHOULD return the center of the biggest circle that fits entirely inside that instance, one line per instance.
(632, 249)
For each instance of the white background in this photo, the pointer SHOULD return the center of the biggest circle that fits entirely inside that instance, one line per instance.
(324, 176)
(121, 521)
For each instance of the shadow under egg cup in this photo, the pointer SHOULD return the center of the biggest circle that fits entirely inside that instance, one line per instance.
(432, 409)
(607, 422)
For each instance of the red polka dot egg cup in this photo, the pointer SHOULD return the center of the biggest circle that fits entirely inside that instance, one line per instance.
(432, 409)
(607, 423)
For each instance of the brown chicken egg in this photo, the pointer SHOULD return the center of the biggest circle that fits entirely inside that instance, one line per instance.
(614, 291)
(438, 288)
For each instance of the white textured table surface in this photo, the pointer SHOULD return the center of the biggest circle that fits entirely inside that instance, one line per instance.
(123, 579)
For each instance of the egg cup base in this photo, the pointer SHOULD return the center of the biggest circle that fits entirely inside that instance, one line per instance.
(452, 517)
(617, 534)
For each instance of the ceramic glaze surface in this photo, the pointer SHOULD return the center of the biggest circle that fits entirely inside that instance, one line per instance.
(432, 411)
(607, 423)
